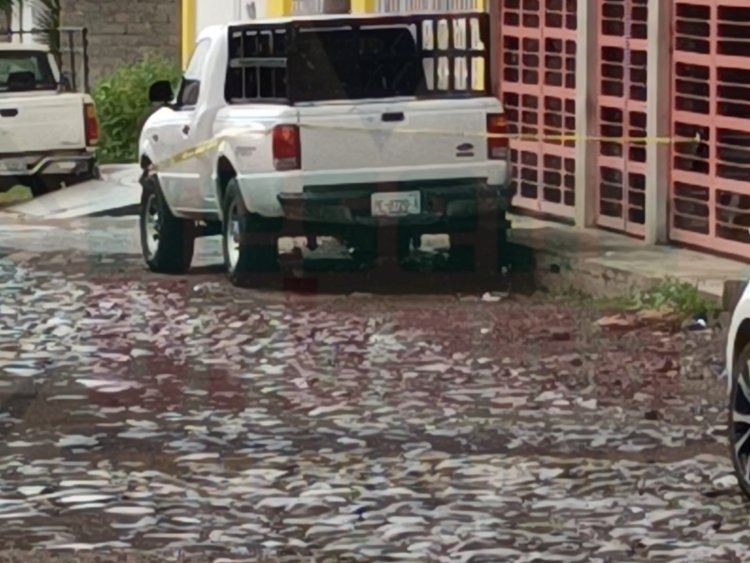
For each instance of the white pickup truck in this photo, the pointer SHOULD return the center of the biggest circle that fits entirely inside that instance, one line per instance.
(48, 135)
(339, 126)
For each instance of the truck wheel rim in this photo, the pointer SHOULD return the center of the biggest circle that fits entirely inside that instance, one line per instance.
(233, 237)
(741, 424)
(153, 225)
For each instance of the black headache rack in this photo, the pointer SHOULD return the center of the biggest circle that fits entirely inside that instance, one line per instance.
(447, 57)
(69, 46)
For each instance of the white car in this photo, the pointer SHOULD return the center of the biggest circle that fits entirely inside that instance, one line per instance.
(738, 371)
(48, 136)
(337, 126)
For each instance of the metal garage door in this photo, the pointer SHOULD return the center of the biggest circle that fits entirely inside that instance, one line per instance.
(537, 85)
(621, 112)
(710, 184)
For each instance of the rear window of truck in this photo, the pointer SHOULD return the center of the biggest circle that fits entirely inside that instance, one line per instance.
(344, 64)
(25, 71)
(428, 57)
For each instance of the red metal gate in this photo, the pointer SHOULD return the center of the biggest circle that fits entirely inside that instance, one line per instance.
(710, 184)
(621, 166)
(537, 85)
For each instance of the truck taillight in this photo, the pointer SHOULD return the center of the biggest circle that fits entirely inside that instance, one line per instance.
(497, 147)
(91, 123)
(286, 147)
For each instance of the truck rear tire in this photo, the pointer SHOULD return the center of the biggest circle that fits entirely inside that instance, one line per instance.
(167, 242)
(367, 245)
(475, 251)
(250, 242)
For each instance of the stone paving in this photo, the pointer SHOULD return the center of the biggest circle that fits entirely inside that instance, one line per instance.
(183, 417)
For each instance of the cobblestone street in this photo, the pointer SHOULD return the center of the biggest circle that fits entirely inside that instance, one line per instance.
(193, 419)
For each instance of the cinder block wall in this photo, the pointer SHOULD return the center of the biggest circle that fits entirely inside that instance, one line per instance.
(124, 32)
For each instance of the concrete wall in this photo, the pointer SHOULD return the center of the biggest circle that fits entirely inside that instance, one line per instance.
(125, 32)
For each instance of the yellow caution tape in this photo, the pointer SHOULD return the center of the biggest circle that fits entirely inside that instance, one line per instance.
(203, 148)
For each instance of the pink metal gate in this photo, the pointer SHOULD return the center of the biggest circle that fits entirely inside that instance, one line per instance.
(537, 84)
(710, 183)
(621, 166)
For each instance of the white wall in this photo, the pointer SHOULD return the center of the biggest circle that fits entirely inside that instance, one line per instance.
(213, 12)
(24, 18)
(246, 9)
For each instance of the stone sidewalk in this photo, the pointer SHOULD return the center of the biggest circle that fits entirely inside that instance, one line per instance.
(608, 264)
(117, 193)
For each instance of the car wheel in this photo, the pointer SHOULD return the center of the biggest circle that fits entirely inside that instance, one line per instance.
(485, 250)
(250, 242)
(167, 242)
(39, 187)
(739, 421)
(404, 246)
(367, 248)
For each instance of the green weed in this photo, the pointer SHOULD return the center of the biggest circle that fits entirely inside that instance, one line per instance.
(669, 295)
(16, 194)
(677, 297)
(122, 105)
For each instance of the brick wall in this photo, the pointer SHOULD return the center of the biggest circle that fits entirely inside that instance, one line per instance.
(124, 32)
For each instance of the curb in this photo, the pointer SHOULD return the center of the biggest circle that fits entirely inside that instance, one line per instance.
(566, 272)
(127, 211)
(576, 265)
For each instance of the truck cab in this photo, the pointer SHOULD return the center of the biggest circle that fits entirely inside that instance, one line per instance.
(331, 126)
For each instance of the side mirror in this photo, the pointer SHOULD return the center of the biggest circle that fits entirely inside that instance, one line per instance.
(161, 92)
(65, 83)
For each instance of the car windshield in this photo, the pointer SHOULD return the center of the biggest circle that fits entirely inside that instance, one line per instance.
(33, 62)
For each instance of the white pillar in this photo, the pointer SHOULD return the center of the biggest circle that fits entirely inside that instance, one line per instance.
(658, 108)
(586, 91)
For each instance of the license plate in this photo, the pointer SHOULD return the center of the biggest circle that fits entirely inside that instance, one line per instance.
(396, 204)
(13, 165)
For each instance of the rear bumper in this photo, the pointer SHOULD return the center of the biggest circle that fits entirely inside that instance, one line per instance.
(55, 164)
(443, 203)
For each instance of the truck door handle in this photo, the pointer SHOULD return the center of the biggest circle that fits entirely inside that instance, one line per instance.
(9, 112)
(186, 130)
(395, 116)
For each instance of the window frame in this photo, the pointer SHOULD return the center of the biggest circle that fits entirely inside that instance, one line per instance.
(42, 63)
(198, 59)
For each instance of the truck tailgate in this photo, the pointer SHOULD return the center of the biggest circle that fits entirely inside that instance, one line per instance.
(363, 139)
(38, 123)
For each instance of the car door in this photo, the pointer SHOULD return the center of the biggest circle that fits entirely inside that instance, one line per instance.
(182, 180)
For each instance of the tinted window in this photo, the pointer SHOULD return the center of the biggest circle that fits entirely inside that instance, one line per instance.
(347, 64)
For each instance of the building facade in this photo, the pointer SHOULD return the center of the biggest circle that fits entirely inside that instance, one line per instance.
(118, 33)
(123, 33)
(641, 112)
(199, 14)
